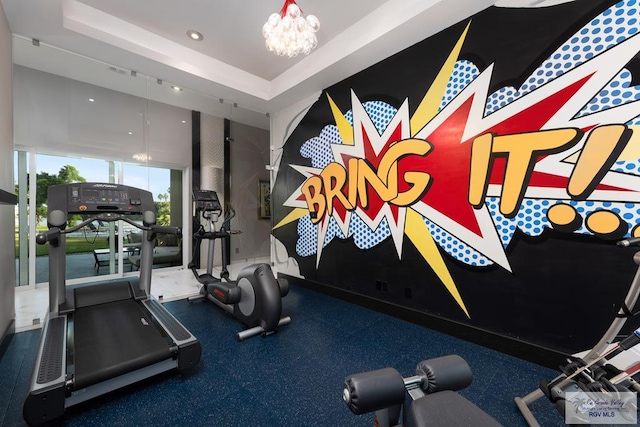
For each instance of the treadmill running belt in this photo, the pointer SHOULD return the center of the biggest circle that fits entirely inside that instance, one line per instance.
(113, 339)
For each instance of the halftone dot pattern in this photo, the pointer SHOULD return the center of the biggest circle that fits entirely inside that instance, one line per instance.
(617, 92)
(504, 226)
(379, 112)
(531, 218)
(363, 236)
(611, 27)
(463, 73)
(455, 247)
(318, 149)
(333, 231)
(628, 167)
(307, 237)
(500, 98)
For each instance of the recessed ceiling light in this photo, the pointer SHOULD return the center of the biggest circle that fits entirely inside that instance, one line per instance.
(184, 121)
(177, 88)
(91, 100)
(195, 35)
(130, 133)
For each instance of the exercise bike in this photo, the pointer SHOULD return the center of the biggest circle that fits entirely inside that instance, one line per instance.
(255, 298)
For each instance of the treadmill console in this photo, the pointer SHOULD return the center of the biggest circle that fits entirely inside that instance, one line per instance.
(207, 201)
(92, 198)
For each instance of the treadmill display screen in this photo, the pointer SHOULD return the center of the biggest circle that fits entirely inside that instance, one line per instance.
(91, 198)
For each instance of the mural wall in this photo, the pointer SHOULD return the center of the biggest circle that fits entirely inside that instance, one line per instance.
(482, 175)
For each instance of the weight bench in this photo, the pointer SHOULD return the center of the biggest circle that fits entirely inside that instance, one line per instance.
(427, 399)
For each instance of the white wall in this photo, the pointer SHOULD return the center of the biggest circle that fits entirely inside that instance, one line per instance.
(7, 283)
(53, 115)
(282, 124)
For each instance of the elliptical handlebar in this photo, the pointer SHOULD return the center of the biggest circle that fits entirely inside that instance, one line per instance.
(226, 223)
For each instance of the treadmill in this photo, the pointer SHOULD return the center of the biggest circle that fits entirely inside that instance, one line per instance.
(102, 336)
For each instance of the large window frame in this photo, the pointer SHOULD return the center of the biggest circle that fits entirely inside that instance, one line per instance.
(116, 269)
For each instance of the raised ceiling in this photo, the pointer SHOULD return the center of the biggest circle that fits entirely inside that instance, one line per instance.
(231, 63)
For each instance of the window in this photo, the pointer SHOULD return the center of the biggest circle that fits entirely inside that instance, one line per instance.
(101, 248)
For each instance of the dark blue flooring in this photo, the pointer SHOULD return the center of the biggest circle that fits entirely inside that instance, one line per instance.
(292, 378)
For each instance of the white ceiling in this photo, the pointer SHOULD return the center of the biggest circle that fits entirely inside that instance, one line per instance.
(231, 63)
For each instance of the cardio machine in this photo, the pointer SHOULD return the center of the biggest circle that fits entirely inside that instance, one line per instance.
(255, 298)
(102, 336)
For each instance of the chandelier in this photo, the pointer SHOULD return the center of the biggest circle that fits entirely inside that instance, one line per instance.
(141, 157)
(289, 32)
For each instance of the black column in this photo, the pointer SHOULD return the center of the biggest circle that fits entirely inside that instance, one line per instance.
(195, 150)
(227, 180)
(195, 177)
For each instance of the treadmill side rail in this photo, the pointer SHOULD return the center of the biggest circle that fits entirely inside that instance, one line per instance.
(189, 349)
(45, 400)
(44, 405)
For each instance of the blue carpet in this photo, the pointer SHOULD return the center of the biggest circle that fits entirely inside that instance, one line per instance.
(292, 378)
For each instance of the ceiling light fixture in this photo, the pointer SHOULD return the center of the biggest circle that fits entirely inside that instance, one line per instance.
(141, 157)
(176, 88)
(289, 33)
(91, 100)
(195, 35)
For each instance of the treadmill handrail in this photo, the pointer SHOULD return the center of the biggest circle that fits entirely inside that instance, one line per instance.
(52, 233)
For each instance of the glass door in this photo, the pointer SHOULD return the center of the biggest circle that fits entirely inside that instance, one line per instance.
(166, 187)
(21, 170)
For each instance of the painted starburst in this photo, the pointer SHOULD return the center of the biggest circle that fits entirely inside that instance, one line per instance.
(450, 130)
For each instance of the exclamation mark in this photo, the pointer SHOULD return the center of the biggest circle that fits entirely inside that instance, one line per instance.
(602, 148)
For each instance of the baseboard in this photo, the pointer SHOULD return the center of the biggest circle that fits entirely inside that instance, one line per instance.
(8, 334)
(504, 344)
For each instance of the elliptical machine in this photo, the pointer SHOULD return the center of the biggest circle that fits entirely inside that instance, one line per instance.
(255, 298)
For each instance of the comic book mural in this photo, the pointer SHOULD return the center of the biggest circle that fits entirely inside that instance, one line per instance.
(482, 175)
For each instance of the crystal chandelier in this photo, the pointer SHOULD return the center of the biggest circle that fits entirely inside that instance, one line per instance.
(141, 157)
(289, 32)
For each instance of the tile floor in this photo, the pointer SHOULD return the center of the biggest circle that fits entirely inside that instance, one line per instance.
(168, 284)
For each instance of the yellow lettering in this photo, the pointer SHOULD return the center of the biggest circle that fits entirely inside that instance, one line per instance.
(367, 175)
(334, 177)
(522, 150)
(312, 190)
